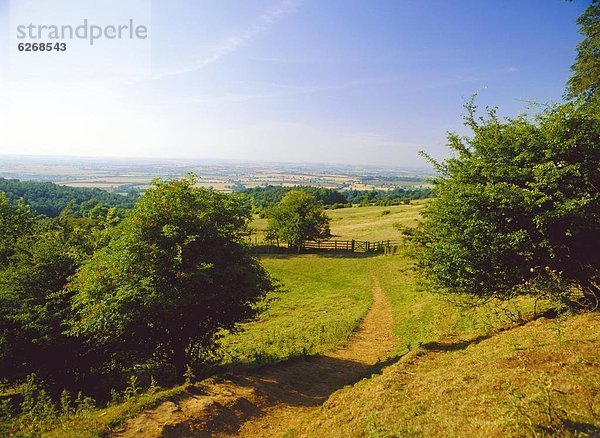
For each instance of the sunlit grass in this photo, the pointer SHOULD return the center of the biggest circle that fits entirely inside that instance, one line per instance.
(322, 301)
(373, 223)
(539, 379)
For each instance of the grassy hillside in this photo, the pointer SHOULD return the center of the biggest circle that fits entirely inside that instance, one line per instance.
(456, 371)
(321, 302)
(363, 223)
(538, 379)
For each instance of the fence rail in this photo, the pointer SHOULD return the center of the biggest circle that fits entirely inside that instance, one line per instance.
(357, 246)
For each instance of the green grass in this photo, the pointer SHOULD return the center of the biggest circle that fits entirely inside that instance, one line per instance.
(362, 223)
(322, 302)
(89, 422)
(370, 223)
(469, 389)
(421, 316)
(538, 379)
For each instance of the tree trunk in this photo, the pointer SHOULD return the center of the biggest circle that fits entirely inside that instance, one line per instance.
(179, 358)
(592, 295)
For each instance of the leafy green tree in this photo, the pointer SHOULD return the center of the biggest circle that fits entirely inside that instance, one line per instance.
(14, 222)
(586, 69)
(175, 273)
(34, 302)
(517, 208)
(297, 218)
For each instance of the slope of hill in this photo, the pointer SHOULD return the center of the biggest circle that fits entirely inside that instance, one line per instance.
(453, 370)
(539, 378)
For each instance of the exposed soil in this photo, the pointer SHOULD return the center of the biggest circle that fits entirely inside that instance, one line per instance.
(271, 400)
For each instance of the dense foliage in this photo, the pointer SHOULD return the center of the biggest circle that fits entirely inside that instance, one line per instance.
(586, 69)
(175, 273)
(517, 209)
(51, 199)
(297, 218)
(81, 298)
(263, 198)
(34, 304)
(395, 196)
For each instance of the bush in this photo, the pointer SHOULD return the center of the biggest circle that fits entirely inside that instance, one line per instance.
(298, 217)
(518, 206)
(175, 273)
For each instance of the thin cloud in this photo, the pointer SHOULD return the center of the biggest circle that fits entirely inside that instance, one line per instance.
(233, 43)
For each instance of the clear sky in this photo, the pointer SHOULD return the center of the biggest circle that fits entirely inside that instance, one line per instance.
(338, 81)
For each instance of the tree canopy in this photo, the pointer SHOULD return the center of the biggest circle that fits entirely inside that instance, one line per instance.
(297, 218)
(34, 302)
(517, 207)
(51, 199)
(175, 273)
(586, 69)
(267, 197)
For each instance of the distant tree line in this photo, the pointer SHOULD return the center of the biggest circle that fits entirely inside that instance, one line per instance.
(395, 196)
(263, 198)
(51, 199)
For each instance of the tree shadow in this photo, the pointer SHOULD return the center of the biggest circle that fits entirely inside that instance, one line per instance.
(302, 382)
(464, 343)
(321, 253)
(578, 426)
(305, 381)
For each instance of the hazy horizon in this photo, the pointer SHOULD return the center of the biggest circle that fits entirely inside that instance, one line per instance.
(208, 160)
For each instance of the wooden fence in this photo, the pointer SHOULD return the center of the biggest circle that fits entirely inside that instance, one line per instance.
(356, 246)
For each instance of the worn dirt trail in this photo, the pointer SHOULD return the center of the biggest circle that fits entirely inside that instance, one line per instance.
(273, 399)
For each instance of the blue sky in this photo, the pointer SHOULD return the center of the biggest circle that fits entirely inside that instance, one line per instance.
(361, 82)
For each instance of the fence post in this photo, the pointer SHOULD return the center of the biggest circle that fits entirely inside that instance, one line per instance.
(368, 245)
(352, 245)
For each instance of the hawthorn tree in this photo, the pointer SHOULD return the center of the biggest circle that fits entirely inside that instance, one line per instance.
(174, 274)
(517, 209)
(297, 218)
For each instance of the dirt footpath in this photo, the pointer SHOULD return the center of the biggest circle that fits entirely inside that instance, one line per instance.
(271, 400)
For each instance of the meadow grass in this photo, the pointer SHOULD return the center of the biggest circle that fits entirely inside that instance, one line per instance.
(452, 374)
(321, 302)
(91, 422)
(373, 223)
(319, 305)
(536, 379)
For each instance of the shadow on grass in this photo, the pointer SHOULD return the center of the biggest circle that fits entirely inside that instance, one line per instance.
(321, 253)
(307, 381)
(464, 343)
(578, 426)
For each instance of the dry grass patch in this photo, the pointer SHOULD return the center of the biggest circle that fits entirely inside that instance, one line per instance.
(542, 378)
